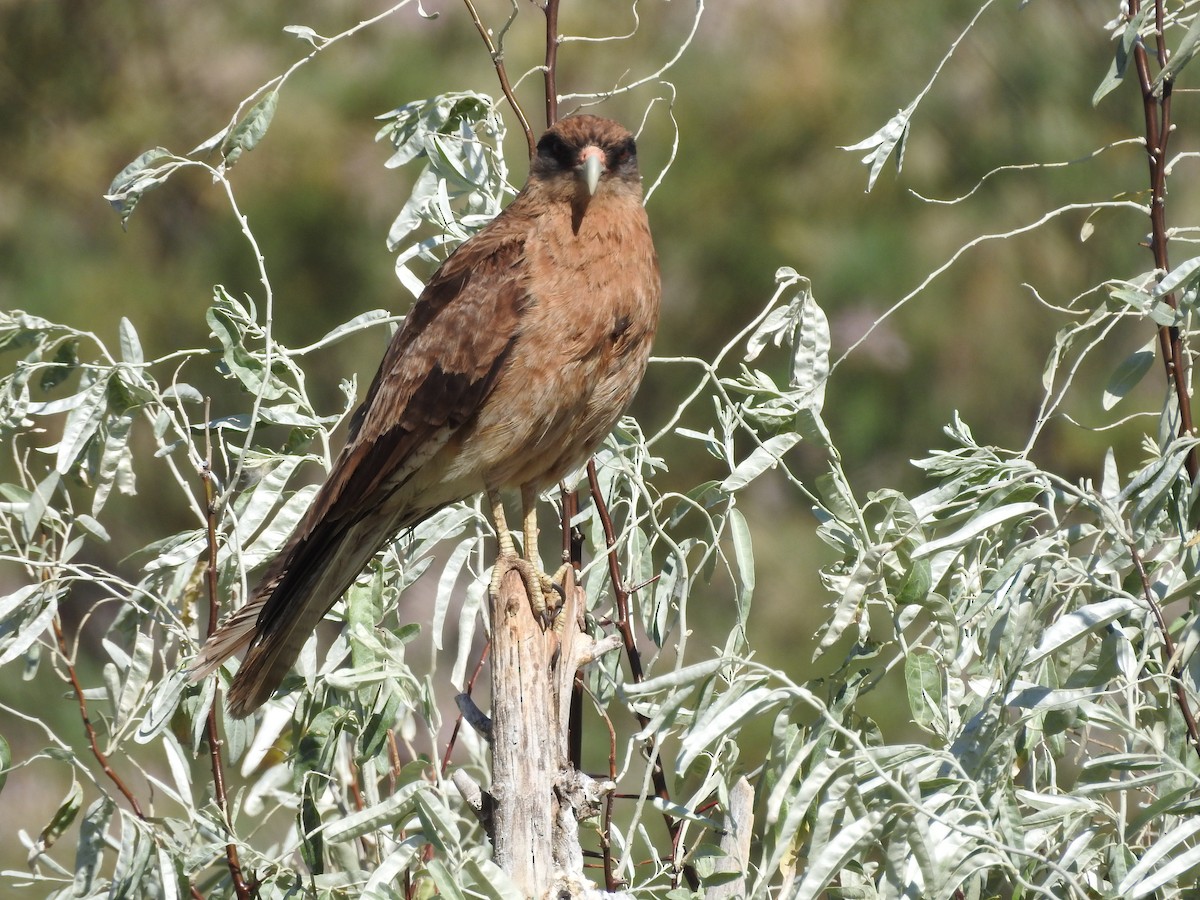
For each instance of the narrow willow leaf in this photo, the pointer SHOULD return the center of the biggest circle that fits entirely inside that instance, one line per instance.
(1116, 70)
(923, 678)
(39, 503)
(1128, 374)
(390, 870)
(257, 503)
(1178, 276)
(671, 680)
(66, 361)
(882, 143)
(136, 179)
(488, 879)
(399, 805)
(447, 882)
(17, 599)
(1157, 868)
(67, 810)
(29, 632)
(5, 760)
(248, 132)
(976, 526)
(764, 457)
(724, 719)
(131, 347)
(810, 362)
(90, 846)
(170, 873)
(459, 557)
(81, 425)
(827, 860)
(358, 323)
(116, 462)
(438, 823)
(1071, 627)
(1188, 47)
(743, 550)
(134, 679)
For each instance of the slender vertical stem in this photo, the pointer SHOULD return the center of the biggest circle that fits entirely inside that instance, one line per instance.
(502, 74)
(214, 613)
(1156, 108)
(551, 73)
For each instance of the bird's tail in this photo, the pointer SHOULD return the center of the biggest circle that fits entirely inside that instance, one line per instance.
(295, 595)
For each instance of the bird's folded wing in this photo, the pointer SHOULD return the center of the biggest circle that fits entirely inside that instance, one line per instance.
(437, 373)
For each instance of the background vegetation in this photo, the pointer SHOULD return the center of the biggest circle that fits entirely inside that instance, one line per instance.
(758, 184)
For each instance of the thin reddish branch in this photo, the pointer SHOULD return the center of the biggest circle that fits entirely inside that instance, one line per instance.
(1175, 672)
(551, 70)
(610, 876)
(458, 721)
(240, 887)
(625, 627)
(502, 74)
(87, 723)
(1156, 111)
(572, 551)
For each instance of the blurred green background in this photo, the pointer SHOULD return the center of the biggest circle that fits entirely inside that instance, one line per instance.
(766, 94)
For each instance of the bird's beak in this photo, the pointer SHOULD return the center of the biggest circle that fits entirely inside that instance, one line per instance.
(593, 165)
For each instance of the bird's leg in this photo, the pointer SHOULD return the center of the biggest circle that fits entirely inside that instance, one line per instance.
(508, 551)
(530, 526)
(552, 589)
(538, 585)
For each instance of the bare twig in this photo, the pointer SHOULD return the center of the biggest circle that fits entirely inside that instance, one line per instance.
(572, 548)
(459, 721)
(87, 723)
(502, 73)
(240, 887)
(1171, 664)
(1156, 109)
(551, 71)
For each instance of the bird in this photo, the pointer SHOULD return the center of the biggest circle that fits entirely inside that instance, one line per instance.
(517, 359)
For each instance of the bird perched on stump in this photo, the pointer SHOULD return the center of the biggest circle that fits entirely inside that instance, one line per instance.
(515, 362)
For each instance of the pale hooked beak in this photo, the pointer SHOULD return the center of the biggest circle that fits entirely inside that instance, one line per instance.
(592, 167)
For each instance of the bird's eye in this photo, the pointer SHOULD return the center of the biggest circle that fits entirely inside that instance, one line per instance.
(621, 154)
(554, 149)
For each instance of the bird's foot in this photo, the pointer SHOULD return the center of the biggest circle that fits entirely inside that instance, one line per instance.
(545, 592)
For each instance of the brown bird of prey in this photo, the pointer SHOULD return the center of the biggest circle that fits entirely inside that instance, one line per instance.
(515, 362)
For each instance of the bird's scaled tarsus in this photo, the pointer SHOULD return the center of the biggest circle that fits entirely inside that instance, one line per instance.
(545, 592)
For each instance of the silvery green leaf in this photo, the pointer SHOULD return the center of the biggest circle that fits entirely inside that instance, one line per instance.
(251, 129)
(81, 425)
(392, 810)
(1188, 47)
(882, 143)
(131, 347)
(1157, 867)
(391, 868)
(139, 176)
(90, 845)
(976, 525)
(766, 456)
(1116, 69)
(1075, 625)
(1179, 276)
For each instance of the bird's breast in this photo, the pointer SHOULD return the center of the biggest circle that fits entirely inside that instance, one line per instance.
(582, 346)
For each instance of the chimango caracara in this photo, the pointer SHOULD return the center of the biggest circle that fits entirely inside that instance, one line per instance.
(515, 362)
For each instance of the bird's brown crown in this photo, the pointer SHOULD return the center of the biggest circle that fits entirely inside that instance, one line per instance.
(559, 150)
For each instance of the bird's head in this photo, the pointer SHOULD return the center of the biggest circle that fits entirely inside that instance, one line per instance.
(585, 156)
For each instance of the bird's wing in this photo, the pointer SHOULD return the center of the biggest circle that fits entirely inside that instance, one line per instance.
(437, 372)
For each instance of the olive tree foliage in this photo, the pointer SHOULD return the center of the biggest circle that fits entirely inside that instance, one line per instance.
(1044, 627)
